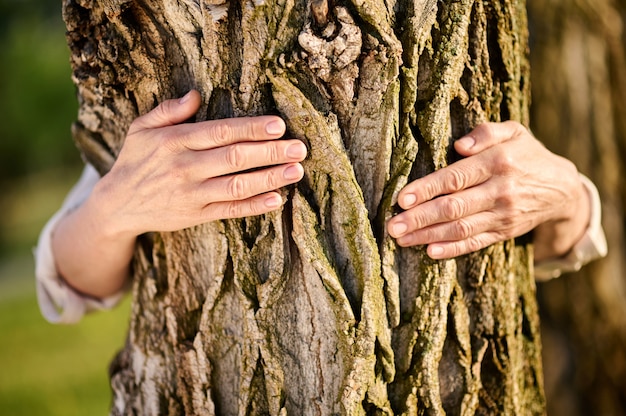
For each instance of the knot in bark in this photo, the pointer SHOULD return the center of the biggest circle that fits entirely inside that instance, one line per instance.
(332, 51)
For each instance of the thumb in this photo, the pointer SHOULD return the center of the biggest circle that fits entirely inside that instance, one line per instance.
(168, 113)
(487, 135)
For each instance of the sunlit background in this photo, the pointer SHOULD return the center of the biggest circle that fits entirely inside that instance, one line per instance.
(62, 370)
(44, 369)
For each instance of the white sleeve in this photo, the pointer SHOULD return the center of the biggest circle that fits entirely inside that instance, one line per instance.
(590, 247)
(58, 302)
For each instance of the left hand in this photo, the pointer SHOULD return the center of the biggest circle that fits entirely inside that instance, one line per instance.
(507, 185)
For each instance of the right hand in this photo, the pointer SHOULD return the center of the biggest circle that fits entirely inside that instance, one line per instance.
(507, 184)
(171, 176)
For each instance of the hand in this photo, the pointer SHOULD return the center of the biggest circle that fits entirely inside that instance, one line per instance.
(507, 185)
(170, 176)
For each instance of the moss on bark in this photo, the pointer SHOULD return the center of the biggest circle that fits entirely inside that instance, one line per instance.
(314, 309)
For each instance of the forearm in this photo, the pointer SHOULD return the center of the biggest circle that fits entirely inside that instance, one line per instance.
(89, 258)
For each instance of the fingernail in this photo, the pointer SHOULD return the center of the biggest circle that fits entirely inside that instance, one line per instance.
(296, 151)
(408, 200)
(273, 201)
(293, 172)
(435, 251)
(275, 127)
(185, 98)
(399, 228)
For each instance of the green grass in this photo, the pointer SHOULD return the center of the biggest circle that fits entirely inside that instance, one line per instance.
(47, 369)
(55, 369)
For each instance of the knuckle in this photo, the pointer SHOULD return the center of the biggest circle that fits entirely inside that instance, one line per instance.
(251, 127)
(273, 154)
(235, 158)
(456, 179)
(491, 133)
(463, 229)
(221, 133)
(504, 161)
(513, 125)
(234, 209)
(456, 249)
(179, 171)
(485, 130)
(418, 218)
(473, 244)
(236, 188)
(453, 207)
(255, 207)
(508, 220)
(430, 188)
(507, 196)
(271, 179)
(430, 235)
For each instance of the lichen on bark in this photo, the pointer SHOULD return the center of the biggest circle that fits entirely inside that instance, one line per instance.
(314, 309)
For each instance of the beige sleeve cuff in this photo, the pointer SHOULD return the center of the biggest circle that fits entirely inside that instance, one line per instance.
(590, 247)
(58, 302)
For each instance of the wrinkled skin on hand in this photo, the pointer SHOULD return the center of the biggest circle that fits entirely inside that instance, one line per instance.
(507, 185)
(170, 176)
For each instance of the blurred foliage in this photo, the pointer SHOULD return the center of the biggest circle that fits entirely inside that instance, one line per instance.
(38, 102)
(10, 10)
(37, 106)
(26, 204)
(44, 369)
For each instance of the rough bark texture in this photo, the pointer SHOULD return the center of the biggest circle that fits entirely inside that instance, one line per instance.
(579, 103)
(314, 310)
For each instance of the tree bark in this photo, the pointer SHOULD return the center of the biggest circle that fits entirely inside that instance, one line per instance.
(314, 310)
(579, 91)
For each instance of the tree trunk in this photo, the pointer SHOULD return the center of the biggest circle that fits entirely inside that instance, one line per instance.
(579, 102)
(314, 309)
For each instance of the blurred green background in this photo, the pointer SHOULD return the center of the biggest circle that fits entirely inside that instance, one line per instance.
(62, 370)
(44, 369)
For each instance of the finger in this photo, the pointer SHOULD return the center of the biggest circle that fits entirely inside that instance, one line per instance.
(448, 250)
(488, 135)
(457, 230)
(217, 133)
(168, 113)
(255, 205)
(243, 156)
(453, 178)
(442, 210)
(245, 185)
(442, 243)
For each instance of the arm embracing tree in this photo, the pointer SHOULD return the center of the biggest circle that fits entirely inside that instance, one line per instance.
(579, 85)
(315, 309)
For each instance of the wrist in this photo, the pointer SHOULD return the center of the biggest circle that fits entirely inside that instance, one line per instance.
(104, 210)
(556, 237)
(88, 258)
(590, 247)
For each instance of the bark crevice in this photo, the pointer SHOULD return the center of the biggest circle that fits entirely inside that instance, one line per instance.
(314, 309)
